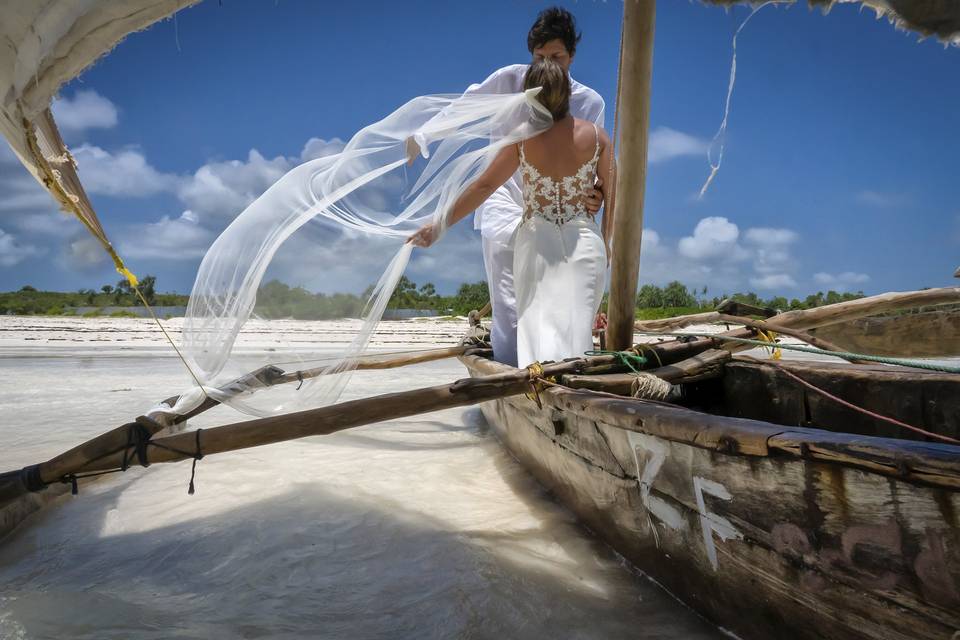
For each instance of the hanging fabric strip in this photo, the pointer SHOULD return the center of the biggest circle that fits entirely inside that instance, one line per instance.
(720, 136)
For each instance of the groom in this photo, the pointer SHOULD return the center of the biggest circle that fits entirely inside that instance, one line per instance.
(553, 35)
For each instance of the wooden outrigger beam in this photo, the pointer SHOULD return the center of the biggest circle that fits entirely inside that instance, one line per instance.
(133, 443)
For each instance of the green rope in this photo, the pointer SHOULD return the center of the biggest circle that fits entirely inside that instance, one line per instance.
(625, 358)
(839, 354)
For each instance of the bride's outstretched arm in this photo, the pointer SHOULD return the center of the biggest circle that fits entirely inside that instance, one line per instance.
(504, 165)
(607, 170)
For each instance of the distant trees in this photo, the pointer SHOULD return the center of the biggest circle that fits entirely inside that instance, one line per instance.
(677, 299)
(29, 301)
(470, 297)
(278, 300)
(147, 288)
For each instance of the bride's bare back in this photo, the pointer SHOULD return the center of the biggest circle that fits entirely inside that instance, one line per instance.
(562, 149)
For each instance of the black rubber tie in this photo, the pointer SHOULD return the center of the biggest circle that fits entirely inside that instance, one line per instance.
(193, 470)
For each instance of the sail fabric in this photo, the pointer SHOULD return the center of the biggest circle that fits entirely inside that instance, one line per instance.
(938, 18)
(44, 44)
(365, 195)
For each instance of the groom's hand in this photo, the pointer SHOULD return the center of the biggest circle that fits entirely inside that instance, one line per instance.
(593, 198)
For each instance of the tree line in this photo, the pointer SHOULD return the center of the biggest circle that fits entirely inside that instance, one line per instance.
(276, 299)
(30, 301)
(677, 299)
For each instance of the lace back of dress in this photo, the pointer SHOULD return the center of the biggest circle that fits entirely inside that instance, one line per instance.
(558, 200)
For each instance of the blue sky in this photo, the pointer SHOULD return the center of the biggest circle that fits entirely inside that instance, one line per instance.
(839, 167)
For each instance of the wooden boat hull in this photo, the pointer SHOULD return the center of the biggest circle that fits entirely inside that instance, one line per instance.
(769, 531)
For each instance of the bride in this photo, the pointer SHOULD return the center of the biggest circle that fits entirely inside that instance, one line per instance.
(366, 197)
(561, 254)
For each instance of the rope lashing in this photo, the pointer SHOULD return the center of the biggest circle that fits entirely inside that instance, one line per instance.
(138, 439)
(535, 371)
(641, 348)
(650, 387)
(847, 355)
(628, 359)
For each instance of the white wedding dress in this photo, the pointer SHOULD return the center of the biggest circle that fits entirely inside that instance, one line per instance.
(559, 265)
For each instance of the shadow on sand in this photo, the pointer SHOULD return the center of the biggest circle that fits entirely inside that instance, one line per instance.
(313, 562)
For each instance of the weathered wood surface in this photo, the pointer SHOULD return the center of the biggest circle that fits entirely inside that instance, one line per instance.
(12, 514)
(703, 366)
(766, 536)
(864, 307)
(928, 334)
(926, 399)
(636, 70)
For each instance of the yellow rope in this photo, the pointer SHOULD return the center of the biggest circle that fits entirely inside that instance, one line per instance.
(770, 336)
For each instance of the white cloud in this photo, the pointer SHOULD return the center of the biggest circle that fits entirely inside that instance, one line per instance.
(318, 148)
(226, 188)
(879, 199)
(56, 224)
(768, 235)
(83, 251)
(773, 281)
(840, 281)
(714, 237)
(86, 110)
(125, 173)
(13, 252)
(771, 251)
(722, 257)
(666, 143)
(168, 239)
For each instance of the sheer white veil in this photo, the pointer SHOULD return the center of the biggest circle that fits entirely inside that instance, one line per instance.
(366, 190)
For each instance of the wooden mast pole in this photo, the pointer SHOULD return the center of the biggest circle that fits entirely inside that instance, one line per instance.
(636, 68)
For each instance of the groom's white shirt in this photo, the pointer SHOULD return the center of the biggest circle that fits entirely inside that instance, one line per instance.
(498, 217)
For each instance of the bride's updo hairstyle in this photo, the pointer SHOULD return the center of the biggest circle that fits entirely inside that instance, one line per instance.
(555, 83)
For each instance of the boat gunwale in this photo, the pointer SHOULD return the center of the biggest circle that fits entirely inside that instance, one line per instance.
(926, 463)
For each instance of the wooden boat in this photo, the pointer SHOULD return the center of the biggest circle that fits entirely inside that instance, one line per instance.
(772, 512)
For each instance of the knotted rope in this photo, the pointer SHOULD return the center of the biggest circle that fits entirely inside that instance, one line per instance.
(650, 387)
(628, 359)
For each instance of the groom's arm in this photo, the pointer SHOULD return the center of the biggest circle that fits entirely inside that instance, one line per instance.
(507, 79)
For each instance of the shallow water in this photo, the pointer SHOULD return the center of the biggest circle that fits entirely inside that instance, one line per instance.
(422, 527)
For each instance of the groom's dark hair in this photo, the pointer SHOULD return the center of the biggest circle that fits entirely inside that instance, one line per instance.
(552, 24)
